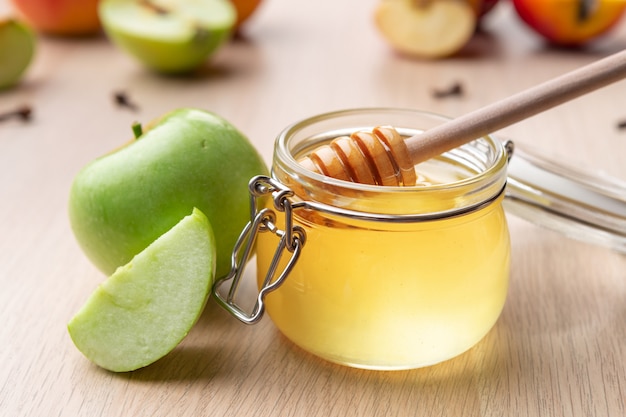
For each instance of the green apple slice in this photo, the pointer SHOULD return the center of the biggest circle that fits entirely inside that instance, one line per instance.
(146, 308)
(17, 46)
(169, 36)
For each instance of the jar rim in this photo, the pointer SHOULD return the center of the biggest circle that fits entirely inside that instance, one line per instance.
(283, 152)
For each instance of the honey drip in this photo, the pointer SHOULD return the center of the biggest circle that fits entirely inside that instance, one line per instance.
(379, 157)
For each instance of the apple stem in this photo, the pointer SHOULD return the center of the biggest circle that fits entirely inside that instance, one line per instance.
(585, 9)
(160, 10)
(23, 113)
(137, 130)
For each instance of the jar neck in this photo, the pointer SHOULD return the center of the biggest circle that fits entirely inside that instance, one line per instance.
(466, 177)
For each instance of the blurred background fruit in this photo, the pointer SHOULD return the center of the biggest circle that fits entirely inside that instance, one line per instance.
(427, 28)
(17, 47)
(245, 9)
(570, 22)
(486, 6)
(168, 37)
(60, 17)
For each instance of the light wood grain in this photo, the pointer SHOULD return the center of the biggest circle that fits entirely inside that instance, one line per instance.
(558, 349)
(517, 107)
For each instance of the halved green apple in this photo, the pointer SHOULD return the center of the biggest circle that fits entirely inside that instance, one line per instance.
(169, 36)
(147, 307)
(17, 47)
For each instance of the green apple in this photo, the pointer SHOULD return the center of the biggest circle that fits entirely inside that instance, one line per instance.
(169, 36)
(17, 47)
(123, 201)
(147, 307)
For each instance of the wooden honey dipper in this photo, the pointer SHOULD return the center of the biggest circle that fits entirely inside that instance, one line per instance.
(384, 157)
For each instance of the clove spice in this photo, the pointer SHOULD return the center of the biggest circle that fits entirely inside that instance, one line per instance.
(455, 90)
(23, 113)
(122, 100)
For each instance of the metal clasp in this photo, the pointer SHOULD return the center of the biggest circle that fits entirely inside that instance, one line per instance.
(509, 148)
(291, 240)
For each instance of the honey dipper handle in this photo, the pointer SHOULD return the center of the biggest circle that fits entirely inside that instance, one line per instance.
(518, 107)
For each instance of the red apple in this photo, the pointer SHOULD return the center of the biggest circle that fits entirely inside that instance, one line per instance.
(60, 17)
(570, 22)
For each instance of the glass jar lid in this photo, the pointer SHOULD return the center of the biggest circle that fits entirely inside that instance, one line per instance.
(583, 206)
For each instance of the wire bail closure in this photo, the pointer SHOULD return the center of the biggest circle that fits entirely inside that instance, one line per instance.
(291, 239)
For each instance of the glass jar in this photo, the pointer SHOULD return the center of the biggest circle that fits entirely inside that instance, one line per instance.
(382, 277)
(391, 277)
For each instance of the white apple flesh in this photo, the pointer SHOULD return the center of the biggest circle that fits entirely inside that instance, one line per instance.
(426, 28)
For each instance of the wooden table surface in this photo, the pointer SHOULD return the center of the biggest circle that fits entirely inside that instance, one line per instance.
(559, 348)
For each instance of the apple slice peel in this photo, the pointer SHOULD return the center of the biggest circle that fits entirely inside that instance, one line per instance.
(147, 307)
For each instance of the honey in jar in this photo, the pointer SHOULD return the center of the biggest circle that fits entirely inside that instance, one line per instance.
(390, 277)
